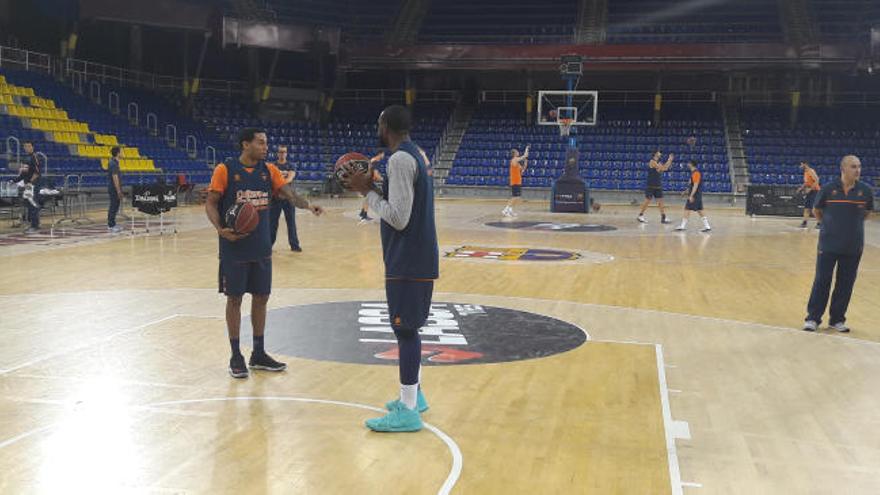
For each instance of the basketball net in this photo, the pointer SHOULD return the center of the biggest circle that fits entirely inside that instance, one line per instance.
(565, 126)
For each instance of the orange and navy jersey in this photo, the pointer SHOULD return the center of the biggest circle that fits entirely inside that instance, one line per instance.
(515, 172)
(696, 183)
(220, 182)
(811, 180)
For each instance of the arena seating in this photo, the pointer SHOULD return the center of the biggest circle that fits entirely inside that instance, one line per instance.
(658, 21)
(821, 137)
(499, 21)
(845, 20)
(613, 154)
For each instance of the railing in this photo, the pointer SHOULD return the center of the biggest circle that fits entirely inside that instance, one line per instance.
(134, 117)
(95, 91)
(396, 95)
(25, 59)
(113, 102)
(192, 146)
(153, 124)
(171, 135)
(9, 142)
(210, 155)
(45, 162)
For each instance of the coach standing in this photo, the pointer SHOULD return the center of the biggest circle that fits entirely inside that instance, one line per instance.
(842, 207)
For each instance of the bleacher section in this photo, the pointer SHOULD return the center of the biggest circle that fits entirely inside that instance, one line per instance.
(78, 141)
(500, 21)
(822, 137)
(660, 21)
(845, 20)
(313, 148)
(613, 155)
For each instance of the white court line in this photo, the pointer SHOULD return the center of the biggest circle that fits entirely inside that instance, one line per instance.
(26, 434)
(457, 460)
(674, 391)
(691, 485)
(669, 425)
(51, 355)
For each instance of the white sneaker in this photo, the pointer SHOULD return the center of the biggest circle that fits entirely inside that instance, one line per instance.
(32, 230)
(811, 326)
(115, 229)
(706, 229)
(642, 219)
(840, 327)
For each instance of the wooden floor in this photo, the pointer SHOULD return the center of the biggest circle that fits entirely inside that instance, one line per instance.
(695, 377)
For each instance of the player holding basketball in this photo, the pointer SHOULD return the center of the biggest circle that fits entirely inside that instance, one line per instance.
(376, 177)
(518, 165)
(246, 259)
(810, 188)
(409, 245)
(654, 188)
(694, 199)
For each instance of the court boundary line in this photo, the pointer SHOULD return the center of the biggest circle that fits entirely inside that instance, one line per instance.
(457, 458)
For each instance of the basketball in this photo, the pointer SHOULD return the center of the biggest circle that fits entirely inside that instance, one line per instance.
(242, 218)
(350, 163)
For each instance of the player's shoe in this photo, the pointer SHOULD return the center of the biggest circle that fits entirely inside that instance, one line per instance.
(642, 219)
(810, 326)
(237, 368)
(399, 419)
(262, 361)
(840, 327)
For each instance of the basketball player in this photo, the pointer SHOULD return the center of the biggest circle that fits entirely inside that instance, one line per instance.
(694, 199)
(842, 207)
(518, 165)
(654, 187)
(114, 190)
(376, 177)
(280, 205)
(810, 188)
(409, 245)
(246, 259)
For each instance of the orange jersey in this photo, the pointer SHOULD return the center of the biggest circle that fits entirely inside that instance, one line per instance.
(515, 173)
(810, 181)
(220, 178)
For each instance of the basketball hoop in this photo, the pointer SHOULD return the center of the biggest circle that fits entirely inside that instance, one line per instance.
(565, 126)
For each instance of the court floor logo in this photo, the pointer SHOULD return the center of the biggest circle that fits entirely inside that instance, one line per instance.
(510, 254)
(360, 332)
(552, 226)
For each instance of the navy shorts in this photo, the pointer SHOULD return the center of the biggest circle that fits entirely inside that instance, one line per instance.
(516, 191)
(409, 302)
(697, 205)
(238, 277)
(810, 199)
(654, 192)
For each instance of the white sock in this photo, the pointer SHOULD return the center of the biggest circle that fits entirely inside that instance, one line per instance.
(408, 395)
(706, 222)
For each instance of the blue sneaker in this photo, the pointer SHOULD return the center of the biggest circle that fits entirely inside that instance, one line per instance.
(421, 403)
(398, 419)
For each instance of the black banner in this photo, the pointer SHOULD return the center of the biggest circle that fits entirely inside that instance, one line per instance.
(774, 200)
(153, 199)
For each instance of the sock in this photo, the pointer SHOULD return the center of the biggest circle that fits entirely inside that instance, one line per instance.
(662, 217)
(408, 395)
(420, 376)
(258, 343)
(363, 213)
(233, 343)
(706, 222)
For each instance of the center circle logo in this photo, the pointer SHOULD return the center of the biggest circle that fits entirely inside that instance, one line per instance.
(552, 226)
(360, 332)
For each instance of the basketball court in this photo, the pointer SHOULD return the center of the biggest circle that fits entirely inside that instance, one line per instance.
(560, 358)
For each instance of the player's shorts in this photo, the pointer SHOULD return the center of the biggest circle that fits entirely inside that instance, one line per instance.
(810, 199)
(516, 191)
(409, 302)
(697, 205)
(654, 192)
(238, 277)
